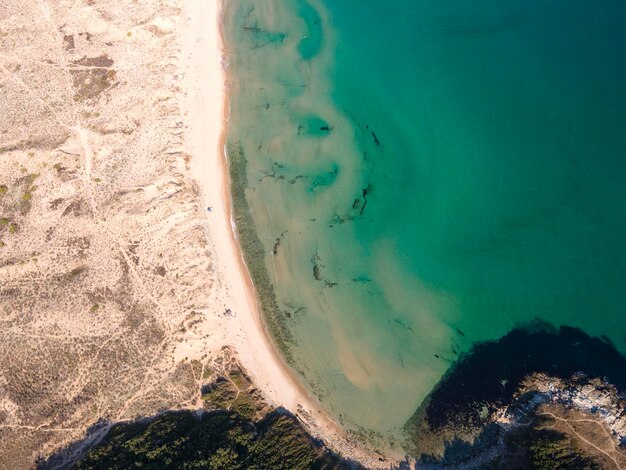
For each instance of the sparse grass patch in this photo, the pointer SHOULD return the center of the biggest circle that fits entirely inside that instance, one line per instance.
(98, 77)
(94, 308)
(74, 273)
(239, 379)
(3, 189)
(13, 228)
(4, 221)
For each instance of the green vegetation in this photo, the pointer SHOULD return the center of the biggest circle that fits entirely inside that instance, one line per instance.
(254, 253)
(13, 228)
(234, 392)
(4, 221)
(221, 394)
(218, 440)
(239, 379)
(94, 308)
(3, 189)
(551, 450)
(245, 406)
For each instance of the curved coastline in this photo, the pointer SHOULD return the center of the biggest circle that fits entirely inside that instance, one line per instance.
(252, 340)
(240, 255)
(366, 295)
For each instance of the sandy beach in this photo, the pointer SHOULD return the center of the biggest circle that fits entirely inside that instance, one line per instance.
(133, 289)
(206, 122)
(127, 302)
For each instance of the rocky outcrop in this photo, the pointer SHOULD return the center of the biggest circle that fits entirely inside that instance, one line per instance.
(535, 381)
(593, 396)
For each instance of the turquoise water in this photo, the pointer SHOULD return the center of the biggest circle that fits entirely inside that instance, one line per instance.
(425, 174)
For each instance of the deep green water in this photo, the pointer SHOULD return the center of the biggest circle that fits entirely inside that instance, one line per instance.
(428, 174)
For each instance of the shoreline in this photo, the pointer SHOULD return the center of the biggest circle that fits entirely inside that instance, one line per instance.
(206, 141)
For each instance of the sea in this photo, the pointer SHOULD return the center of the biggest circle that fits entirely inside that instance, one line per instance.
(422, 175)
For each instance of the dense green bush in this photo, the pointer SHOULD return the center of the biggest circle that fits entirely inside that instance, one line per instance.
(219, 440)
(550, 450)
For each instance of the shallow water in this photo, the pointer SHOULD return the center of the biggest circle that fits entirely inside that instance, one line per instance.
(425, 174)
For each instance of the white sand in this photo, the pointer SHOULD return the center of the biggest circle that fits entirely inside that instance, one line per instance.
(206, 119)
(205, 122)
(125, 275)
